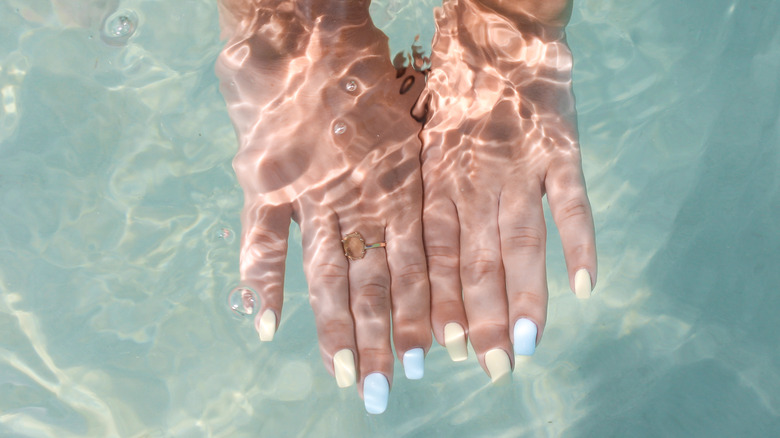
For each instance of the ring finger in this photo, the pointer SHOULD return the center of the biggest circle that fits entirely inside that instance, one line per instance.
(326, 271)
(484, 289)
(369, 297)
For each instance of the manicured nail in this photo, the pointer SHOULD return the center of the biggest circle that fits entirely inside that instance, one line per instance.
(375, 393)
(525, 337)
(414, 364)
(455, 341)
(344, 368)
(267, 326)
(499, 367)
(582, 285)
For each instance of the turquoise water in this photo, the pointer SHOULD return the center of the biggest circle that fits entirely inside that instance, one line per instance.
(116, 191)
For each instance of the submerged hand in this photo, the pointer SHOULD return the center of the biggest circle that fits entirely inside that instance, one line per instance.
(326, 139)
(501, 133)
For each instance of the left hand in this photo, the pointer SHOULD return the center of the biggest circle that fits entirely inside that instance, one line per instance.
(500, 134)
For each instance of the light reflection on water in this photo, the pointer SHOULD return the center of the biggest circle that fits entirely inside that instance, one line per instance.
(115, 180)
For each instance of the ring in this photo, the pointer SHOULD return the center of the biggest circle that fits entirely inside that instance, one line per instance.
(355, 246)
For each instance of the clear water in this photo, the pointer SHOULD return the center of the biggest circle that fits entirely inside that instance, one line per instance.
(118, 211)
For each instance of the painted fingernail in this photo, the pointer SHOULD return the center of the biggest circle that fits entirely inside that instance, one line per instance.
(582, 284)
(455, 341)
(344, 368)
(499, 367)
(266, 327)
(375, 393)
(414, 364)
(525, 337)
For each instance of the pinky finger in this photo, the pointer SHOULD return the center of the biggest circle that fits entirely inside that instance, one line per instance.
(571, 211)
(263, 252)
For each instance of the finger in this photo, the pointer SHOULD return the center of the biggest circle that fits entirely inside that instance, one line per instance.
(571, 211)
(369, 297)
(264, 232)
(326, 271)
(409, 290)
(523, 237)
(484, 289)
(421, 106)
(441, 234)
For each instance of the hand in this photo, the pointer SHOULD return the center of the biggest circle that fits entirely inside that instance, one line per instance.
(500, 134)
(325, 138)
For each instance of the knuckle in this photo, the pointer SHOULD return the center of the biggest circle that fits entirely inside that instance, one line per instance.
(376, 355)
(412, 274)
(525, 238)
(411, 313)
(527, 300)
(328, 275)
(412, 324)
(574, 210)
(482, 263)
(442, 257)
(446, 305)
(266, 241)
(371, 301)
(489, 328)
(335, 327)
(580, 251)
(241, 163)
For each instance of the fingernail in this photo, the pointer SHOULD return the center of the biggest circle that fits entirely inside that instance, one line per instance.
(375, 393)
(499, 367)
(267, 326)
(344, 368)
(582, 284)
(525, 337)
(455, 341)
(414, 364)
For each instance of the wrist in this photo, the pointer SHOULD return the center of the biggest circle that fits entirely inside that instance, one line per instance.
(542, 17)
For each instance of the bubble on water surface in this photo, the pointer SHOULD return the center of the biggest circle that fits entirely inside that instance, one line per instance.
(243, 301)
(340, 128)
(119, 27)
(351, 86)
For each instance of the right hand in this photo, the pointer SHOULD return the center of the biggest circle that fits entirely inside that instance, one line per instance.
(325, 138)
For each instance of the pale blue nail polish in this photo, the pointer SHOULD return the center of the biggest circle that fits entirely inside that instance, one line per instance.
(414, 364)
(525, 337)
(375, 393)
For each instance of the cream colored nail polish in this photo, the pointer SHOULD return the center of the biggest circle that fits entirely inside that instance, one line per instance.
(344, 368)
(582, 284)
(455, 341)
(266, 328)
(497, 362)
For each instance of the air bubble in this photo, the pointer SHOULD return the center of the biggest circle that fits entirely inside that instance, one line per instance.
(243, 301)
(351, 86)
(119, 27)
(226, 234)
(340, 128)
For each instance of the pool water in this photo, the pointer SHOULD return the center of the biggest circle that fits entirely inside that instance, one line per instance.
(119, 213)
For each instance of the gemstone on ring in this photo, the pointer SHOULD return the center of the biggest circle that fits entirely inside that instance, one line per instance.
(355, 246)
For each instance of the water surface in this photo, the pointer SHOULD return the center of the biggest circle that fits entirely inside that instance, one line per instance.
(116, 190)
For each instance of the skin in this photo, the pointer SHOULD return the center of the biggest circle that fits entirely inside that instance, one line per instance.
(500, 133)
(284, 74)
